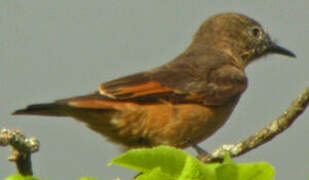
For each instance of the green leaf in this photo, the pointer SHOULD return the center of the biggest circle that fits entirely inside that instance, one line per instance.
(167, 162)
(256, 171)
(169, 159)
(194, 169)
(155, 174)
(20, 177)
(227, 171)
(227, 159)
(243, 171)
(164, 162)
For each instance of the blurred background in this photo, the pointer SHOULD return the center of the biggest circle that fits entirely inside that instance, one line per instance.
(54, 49)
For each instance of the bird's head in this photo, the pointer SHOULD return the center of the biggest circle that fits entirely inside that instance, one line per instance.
(239, 36)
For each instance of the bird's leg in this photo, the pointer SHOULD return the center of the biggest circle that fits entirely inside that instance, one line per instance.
(205, 156)
(200, 151)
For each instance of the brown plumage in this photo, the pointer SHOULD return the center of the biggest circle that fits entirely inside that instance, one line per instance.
(182, 102)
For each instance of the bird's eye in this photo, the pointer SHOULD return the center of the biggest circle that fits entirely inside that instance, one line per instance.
(256, 32)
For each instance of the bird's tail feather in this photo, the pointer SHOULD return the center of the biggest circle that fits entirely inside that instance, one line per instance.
(48, 109)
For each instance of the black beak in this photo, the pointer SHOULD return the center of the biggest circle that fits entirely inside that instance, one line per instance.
(274, 48)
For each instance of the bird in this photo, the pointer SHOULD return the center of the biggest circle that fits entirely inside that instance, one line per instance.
(180, 103)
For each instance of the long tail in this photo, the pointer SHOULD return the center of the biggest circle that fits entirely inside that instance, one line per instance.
(48, 109)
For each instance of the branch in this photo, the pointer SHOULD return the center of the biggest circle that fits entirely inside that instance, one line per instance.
(274, 128)
(22, 149)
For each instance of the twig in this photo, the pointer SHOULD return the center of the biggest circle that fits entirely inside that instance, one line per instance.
(264, 135)
(22, 149)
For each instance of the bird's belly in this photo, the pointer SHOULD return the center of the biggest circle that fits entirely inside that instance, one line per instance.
(183, 124)
(167, 124)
